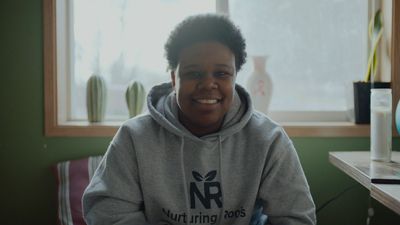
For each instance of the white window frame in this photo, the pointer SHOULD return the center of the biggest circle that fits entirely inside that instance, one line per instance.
(56, 118)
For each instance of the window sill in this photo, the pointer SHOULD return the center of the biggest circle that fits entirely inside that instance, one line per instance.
(320, 129)
(82, 129)
(326, 129)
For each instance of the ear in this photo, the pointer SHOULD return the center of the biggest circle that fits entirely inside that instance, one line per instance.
(173, 78)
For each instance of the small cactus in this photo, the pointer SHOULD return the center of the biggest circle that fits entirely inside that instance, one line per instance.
(135, 96)
(96, 95)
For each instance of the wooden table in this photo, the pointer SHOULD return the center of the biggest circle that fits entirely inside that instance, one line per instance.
(358, 166)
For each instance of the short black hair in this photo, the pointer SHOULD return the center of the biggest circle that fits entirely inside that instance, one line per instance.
(205, 27)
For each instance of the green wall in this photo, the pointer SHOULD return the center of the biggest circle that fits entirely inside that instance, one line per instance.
(27, 190)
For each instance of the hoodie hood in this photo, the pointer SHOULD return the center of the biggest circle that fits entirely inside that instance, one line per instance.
(163, 108)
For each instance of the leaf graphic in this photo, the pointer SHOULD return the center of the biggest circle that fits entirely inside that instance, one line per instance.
(211, 175)
(197, 176)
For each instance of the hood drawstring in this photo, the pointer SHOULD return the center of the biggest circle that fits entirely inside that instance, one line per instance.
(221, 177)
(185, 189)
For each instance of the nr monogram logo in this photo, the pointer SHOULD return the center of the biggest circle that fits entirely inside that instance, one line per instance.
(205, 190)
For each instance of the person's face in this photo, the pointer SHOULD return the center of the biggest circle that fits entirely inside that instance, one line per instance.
(204, 83)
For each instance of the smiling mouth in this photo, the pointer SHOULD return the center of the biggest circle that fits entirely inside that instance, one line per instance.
(207, 101)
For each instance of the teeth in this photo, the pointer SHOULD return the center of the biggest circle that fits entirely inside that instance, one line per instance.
(207, 101)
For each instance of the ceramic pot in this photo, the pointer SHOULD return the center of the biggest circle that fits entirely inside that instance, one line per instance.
(362, 100)
(259, 84)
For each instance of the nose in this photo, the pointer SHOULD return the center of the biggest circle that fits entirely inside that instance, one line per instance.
(208, 82)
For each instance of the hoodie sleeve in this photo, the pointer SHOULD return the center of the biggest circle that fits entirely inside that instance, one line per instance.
(114, 195)
(284, 190)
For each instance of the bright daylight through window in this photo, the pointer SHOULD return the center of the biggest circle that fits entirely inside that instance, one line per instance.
(312, 54)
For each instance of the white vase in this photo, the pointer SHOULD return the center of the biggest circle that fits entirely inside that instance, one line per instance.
(259, 84)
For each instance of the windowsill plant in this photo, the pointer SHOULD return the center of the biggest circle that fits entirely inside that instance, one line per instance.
(362, 89)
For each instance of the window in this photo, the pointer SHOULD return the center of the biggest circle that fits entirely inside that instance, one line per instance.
(115, 43)
(311, 63)
(312, 53)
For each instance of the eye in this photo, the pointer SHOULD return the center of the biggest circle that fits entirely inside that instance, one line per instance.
(222, 74)
(192, 74)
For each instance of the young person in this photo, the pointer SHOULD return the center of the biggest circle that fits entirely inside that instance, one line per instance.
(202, 155)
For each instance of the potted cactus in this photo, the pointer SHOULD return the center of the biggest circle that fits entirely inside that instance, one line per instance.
(96, 93)
(362, 89)
(135, 96)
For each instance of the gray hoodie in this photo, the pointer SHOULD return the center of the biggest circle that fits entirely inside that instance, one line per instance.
(156, 172)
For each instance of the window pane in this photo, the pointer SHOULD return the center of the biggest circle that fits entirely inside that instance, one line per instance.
(315, 49)
(123, 40)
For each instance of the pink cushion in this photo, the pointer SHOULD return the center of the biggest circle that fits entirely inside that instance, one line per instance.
(72, 178)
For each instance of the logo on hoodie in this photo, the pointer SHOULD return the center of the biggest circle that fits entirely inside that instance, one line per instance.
(205, 190)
